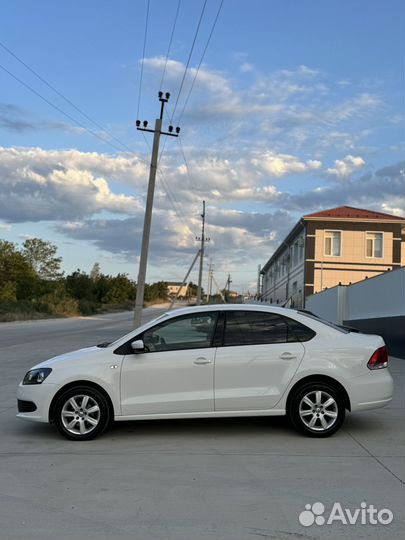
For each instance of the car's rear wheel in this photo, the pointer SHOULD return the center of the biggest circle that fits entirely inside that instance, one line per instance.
(317, 409)
(81, 413)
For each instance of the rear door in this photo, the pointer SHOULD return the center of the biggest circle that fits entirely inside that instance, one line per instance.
(256, 362)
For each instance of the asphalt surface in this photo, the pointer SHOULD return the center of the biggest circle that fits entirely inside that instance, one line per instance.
(231, 479)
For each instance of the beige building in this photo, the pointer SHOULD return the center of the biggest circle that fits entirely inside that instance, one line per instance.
(175, 287)
(338, 246)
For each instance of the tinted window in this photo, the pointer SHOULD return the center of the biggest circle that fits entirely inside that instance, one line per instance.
(297, 331)
(188, 332)
(254, 328)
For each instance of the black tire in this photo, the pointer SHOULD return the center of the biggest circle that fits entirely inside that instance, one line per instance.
(84, 422)
(327, 413)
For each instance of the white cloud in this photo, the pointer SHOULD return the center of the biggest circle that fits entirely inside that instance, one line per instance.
(279, 165)
(39, 184)
(345, 167)
(289, 110)
(246, 67)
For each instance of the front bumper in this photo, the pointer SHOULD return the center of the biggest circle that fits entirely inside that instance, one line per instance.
(39, 394)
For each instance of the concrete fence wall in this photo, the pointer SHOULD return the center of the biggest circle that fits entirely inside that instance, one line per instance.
(374, 306)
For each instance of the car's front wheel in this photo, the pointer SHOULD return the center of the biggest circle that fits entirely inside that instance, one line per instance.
(317, 409)
(81, 413)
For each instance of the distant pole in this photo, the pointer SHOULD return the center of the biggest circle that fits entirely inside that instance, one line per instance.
(259, 269)
(140, 286)
(184, 280)
(218, 289)
(202, 239)
(209, 292)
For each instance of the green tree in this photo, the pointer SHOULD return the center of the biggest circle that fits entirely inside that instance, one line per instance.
(16, 274)
(156, 291)
(79, 285)
(120, 290)
(41, 255)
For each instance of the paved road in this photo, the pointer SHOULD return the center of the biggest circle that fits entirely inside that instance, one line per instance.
(224, 479)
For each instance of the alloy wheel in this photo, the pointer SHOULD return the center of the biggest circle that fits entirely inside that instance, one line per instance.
(80, 414)
(318, 410)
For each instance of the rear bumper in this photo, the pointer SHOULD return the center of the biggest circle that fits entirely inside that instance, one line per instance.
(372, 390)
(372, 404)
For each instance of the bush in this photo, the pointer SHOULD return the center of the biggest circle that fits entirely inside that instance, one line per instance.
(87, 307)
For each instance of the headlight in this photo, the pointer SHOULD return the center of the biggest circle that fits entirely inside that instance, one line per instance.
(36, 376)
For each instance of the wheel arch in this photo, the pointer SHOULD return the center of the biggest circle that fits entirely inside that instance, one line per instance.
(319, 378)
(72, 384)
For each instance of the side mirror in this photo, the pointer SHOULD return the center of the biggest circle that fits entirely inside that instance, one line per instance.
(138, 346)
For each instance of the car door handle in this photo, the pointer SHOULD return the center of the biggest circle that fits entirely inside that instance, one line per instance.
(287, 356)
(201, 360)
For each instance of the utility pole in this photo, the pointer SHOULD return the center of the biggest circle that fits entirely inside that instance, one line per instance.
(210, 270)
(202, 239)
(218, 289)
(228, 283)
(140, 286)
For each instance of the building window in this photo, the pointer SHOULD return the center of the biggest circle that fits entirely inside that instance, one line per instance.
(301, 249)
(295, 254)
(374, 244)
(333, 242)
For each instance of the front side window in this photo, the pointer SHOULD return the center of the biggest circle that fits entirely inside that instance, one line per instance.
(374, 245)
(194, 331)
(332, 246)
(254, 328)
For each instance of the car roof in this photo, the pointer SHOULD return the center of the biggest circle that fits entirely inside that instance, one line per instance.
(231, 307)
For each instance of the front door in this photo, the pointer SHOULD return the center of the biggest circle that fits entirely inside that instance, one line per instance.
(175, 374)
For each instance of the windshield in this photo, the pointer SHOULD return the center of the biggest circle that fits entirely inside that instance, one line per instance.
(311, 315)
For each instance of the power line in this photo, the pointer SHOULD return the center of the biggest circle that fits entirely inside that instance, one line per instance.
(189, 176)
(189, 58)
(170, 43)
(183, 156)
(106, 141)
(174, 203)
(201, 59)
(192, 84)
(170, 195)
(67, 115)
(69, 101)
(143, 57)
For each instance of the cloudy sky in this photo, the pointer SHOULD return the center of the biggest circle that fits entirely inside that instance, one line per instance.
(291, 106)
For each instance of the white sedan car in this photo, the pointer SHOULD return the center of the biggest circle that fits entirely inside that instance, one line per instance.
(213, 361)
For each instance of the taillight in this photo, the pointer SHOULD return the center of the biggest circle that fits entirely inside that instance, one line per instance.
(379, 359)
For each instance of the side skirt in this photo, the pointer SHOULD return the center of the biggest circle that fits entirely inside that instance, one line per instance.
(214, 414)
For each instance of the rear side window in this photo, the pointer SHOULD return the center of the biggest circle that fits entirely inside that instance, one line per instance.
(254, 328)
(298, 331)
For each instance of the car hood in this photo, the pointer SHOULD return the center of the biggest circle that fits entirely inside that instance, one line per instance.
(79, 354)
